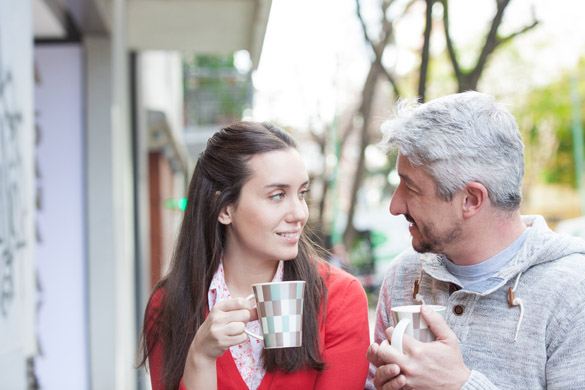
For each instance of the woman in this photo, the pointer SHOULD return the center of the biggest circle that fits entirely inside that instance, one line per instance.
(243, 224)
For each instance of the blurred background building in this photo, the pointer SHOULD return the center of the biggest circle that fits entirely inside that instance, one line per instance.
(91, 153)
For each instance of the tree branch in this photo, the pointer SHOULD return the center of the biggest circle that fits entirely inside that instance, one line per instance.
(492, 40)
(522, 31)
(469, 79)
(378, 48)
(449, 41)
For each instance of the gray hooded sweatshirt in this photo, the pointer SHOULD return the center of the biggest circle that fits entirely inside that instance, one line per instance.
(538, 342)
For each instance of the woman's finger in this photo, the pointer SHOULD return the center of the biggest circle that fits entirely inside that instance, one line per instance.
(235, 304)
(224, 317)
(234, 328)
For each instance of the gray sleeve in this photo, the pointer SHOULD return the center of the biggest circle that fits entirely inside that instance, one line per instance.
(382, 323)
(566, 351)
(478, 381)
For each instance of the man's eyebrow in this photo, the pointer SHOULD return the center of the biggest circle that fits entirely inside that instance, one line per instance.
(282, 185)
(409, 181)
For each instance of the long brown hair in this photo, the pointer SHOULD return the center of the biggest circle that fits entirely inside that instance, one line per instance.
(220, 173)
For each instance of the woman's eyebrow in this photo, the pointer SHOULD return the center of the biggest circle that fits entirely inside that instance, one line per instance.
(282, 185)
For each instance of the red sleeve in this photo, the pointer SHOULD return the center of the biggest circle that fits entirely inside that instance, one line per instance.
(347, 335)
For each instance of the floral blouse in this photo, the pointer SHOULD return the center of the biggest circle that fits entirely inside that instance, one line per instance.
(248, 355)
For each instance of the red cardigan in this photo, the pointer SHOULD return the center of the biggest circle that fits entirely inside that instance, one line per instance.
(344, 339)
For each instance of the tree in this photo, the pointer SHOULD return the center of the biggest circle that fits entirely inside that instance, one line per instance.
(364, 110)
(467, 79)
(545, 118)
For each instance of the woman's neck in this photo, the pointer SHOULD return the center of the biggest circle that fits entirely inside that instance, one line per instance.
(240, 275)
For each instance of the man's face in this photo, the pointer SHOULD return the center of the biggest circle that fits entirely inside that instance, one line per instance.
(435, 224)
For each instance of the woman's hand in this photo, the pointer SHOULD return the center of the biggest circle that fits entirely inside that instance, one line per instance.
(224, 327)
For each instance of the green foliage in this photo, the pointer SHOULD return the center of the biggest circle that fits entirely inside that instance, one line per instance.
(213, 61)
(215, 92)
(550, 109)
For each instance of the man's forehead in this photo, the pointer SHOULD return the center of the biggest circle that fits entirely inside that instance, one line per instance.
(412, 175)
(402, 162)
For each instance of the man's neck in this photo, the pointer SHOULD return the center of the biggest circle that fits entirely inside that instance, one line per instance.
(487, 237)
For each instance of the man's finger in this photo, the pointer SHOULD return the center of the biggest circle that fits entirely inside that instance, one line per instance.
(372, 355)
(389, 354)
(388, 377)
(436, 323)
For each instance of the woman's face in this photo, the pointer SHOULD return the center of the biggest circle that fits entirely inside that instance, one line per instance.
(267, 221)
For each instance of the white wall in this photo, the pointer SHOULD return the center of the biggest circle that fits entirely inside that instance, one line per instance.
(17, 288)
(60, 253)
(162, 86)
(110, 190)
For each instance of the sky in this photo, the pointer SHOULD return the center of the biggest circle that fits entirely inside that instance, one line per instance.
(314, 59)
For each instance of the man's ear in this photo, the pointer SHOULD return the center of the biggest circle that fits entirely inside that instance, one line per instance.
(475, 197)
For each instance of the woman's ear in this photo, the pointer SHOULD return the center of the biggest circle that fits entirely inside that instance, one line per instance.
(475, 197)
(225, 216)
(225, 213)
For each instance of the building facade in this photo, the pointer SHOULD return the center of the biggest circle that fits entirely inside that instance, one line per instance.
(90, 132)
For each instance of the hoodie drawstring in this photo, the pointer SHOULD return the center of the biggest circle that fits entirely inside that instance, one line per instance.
(513, 301)
(415, 294)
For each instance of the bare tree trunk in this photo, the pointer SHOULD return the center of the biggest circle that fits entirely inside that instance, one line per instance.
(318, 222)
(365, 109)
(424, 63)
(367, 96)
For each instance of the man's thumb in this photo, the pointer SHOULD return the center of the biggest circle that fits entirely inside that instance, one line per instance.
(436, 322)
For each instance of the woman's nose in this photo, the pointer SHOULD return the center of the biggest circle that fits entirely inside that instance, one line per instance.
(298, 211)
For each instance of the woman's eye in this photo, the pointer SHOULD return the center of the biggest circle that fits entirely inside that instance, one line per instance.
(278, 196)
(303, 193)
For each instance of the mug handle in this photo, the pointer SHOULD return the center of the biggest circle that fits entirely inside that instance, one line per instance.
(252, 333)
(398, 334)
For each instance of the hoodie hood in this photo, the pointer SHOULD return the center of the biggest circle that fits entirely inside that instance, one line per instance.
(542, 245)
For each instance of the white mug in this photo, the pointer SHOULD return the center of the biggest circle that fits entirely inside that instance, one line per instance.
(408, 319)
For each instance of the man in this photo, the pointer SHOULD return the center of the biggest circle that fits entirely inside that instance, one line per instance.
(514, 290)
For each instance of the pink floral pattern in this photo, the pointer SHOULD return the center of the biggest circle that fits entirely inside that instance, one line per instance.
(248, 355)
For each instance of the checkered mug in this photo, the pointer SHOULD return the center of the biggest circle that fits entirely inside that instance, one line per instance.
(280, 312)
(409, 320)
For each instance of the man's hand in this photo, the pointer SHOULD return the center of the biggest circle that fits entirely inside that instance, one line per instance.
(438, 364)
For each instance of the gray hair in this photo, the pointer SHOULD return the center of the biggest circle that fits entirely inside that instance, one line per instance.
(458, 139)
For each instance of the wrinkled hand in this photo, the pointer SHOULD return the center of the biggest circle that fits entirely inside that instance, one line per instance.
(438, 364)
(224, 327)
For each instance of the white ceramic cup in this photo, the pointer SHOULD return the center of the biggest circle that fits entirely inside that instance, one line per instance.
(280, 312)
(409, 320)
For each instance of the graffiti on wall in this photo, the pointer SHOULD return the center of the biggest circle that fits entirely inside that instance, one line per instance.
(13, 210)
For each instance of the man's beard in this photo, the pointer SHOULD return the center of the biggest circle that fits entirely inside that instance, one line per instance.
(434, 242)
